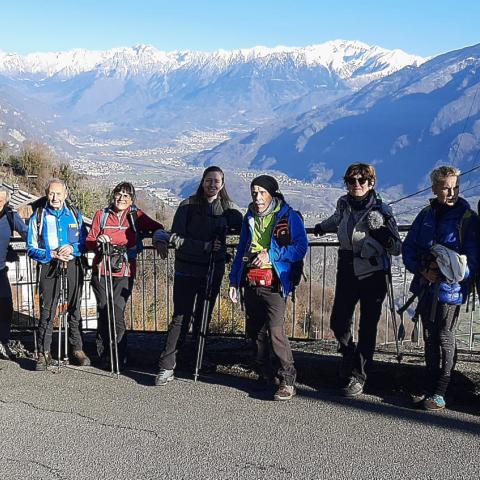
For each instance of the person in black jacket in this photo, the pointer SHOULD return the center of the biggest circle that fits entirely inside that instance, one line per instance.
(199, 228)
(9, 221)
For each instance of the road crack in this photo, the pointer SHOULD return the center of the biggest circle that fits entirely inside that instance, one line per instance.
(54, 471)
(82, 416)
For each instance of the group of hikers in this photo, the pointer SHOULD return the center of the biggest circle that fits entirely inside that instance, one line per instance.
(441, 250)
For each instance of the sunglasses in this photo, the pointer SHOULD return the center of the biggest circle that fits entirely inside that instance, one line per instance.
(354, 180)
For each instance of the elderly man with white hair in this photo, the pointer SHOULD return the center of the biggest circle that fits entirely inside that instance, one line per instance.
(10, 221)
(56, 239)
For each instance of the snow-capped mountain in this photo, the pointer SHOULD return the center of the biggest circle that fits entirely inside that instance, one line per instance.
(404, 124)
(144, 90)
(346, 59)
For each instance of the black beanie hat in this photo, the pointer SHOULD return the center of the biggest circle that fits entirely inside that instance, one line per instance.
(267, 182)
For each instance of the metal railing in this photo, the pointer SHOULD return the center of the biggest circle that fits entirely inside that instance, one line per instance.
(150, 307)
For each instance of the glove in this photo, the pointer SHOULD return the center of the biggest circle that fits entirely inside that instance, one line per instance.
(382, 235)
(161, 236)
(317, 230)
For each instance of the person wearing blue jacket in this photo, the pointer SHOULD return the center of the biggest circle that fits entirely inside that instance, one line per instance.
(448, 221)
(56, 239)
(272, 240)
(10, 221)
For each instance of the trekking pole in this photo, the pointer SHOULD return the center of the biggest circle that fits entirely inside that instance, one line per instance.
(206, 309)
(391, 302)
(107, 300)
(433, 309)
(60, 324)
(65, 311)
(401, 328)
(106, 264)
(62, 310)
(112, 322)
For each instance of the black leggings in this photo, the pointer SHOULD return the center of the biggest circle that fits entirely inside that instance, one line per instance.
(188, 300)
(439, 338)
(122, 288)
(349, 290)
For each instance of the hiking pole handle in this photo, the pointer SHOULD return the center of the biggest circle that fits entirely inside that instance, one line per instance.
(405, 306)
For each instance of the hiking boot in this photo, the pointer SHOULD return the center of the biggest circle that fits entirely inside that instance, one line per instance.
(208, 366)
(284, 392)
(433, 403)
(417, 399)
(4, 352)
(163, 377)
(352, 388)
(80, 359)
(43, 361)
(265, 382)
(105, 364)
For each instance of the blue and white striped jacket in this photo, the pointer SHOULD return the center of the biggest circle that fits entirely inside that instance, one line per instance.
(58, 228)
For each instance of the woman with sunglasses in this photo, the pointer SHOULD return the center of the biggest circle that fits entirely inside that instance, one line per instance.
(368, 235)
(198, 234)
(117, 232)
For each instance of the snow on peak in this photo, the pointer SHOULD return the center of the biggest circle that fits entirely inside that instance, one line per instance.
(345, 58)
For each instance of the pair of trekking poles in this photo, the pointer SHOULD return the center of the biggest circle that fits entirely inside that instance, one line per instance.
(61, 273)
(399, 333)
(107, 249)
(202, 334)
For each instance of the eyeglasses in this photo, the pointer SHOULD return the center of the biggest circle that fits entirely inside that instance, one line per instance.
(354, 180)
(122, 195)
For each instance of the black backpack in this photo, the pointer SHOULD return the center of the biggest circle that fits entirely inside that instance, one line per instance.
(283, 237)
(12, 255)
(39, 206)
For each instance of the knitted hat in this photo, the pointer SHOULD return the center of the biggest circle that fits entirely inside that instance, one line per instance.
(267, 182)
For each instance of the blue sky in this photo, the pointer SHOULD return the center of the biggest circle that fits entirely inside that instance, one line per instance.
(422, 27)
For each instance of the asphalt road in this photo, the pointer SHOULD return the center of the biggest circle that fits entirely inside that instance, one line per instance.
(83, 424)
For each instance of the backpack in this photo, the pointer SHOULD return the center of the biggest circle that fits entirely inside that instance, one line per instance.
(132, 217)
(282, 235)
(39, 207)
(12, 255)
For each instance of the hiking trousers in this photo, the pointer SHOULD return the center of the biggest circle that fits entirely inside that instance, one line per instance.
(122, 289)
(265, 325)
(6, 306)
(349, 290)
(188, 300)
(49, 287)
(440, 349)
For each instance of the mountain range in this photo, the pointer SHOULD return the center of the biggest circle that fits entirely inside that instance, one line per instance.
(306, 112)
(149, 95)
(404, 124)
